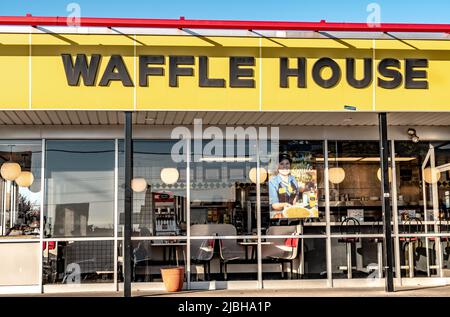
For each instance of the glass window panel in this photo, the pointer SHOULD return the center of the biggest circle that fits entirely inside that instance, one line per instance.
(292, 258)
(79, 188)
(151, 256)
(355, 187)
(423, 196)
(78, 262)
(293, 191)
(20, 198)
(222, 191)
(159, 189)
(364, 255)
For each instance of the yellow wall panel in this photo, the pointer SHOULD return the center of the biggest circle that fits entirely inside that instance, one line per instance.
(50, 88)
(188, 94)
(314, 97)
(437, 96)
(14, 63)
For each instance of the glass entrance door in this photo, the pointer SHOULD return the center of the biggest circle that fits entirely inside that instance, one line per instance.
(434, 173)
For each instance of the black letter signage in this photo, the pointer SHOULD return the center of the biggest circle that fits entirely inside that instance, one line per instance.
(236, 72)
(175, 71)
(203, 79)
(88, 73)
(116, 62)
(299, 72)
(335, 72)
(411, 73)
(145, 71)
(367, 79)
(385, 69)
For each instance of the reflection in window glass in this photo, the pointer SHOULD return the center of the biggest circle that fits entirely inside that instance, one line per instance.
(150, 256)
(79, 188)
(159, 189)
(222, 189)
(354, 174)
(293, 192)
(363, 255)
(293, 205)
(20, 188)
(423, 195)
(78, 262)
(291, 257)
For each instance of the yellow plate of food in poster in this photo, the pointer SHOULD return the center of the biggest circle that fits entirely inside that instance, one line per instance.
(300, 212)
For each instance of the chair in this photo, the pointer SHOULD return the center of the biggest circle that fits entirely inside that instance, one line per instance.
(142, 259)
(230, 251)
(443, 226)
(202, 251)
(377, 228)
(349, 225)
(282, 250)
(411, 226)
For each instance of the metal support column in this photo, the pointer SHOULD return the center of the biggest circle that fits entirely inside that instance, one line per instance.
(386, 207)
(128, 202)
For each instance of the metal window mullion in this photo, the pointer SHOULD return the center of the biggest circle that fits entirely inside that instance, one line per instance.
(327, 218)
(128, 202)
(41, 217)
(188, 212)
(258, 216)
(386, 202)
(13, 205)
(398, 272)
(435, 199)
(116, 202)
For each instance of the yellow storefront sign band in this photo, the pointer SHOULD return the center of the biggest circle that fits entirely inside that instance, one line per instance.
(147, 72)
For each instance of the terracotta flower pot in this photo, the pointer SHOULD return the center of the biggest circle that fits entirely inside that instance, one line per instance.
(173, 278)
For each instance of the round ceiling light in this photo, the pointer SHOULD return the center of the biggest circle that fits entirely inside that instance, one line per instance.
(379, 174)
(25, 179)
(431, 175)
(10, 170)
(169, 175)
(139, 184)
(252, 174)
(336, 175)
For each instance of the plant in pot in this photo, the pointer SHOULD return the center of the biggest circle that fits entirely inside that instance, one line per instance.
(173, 278)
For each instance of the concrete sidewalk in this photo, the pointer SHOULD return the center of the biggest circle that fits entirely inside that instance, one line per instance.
(435, 291)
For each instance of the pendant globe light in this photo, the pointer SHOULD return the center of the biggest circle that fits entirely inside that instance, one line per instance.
(336, 175)
(138, 184)
(25, 179)
(431, 175)
(379, 174)
(10, 170)
(169, 175)
(252, 174)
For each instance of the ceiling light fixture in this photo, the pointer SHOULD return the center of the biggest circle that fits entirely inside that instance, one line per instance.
(10, 170)
(413, 135)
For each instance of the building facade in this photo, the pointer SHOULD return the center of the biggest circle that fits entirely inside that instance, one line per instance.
(256, 158)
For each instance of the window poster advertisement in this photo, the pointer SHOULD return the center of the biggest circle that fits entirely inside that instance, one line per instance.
(293, 187)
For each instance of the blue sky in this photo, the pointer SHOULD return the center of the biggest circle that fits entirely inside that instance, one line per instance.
(419, 11)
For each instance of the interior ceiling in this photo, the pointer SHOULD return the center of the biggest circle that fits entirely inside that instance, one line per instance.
(222, 118)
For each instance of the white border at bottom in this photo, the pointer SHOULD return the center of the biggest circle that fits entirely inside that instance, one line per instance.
(20, 290)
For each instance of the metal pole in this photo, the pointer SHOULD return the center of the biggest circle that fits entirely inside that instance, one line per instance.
(397, 248)
(327, 217)
(386, 205)
(128, 203)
